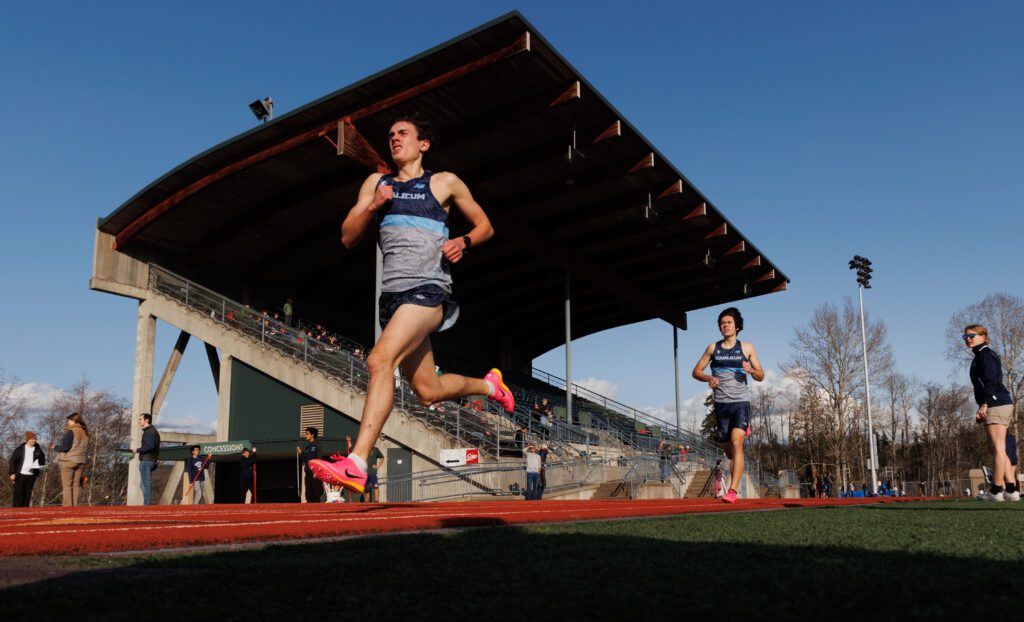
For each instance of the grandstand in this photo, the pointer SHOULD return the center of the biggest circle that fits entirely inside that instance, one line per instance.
(595, 229)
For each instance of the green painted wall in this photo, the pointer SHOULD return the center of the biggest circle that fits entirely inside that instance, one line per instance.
(264, 409)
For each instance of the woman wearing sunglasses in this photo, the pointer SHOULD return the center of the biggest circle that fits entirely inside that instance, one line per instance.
(995, 411)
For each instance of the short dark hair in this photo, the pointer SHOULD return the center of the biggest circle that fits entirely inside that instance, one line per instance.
(424, 126)
(734, 313)
(194, 448)
(313, 431)
(148, 417)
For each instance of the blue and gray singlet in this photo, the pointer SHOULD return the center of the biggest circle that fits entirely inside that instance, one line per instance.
(727, 366)
(412, 228)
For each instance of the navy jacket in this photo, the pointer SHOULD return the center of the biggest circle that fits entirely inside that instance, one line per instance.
(65, 443)
(245, 467)
(987, 378)
(150, 448)
(195, 467)
(311, 452)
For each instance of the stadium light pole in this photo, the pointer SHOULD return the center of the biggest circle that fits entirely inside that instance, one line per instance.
(863, 267)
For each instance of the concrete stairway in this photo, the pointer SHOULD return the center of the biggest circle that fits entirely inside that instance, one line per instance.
(613, 489)
(701, 483)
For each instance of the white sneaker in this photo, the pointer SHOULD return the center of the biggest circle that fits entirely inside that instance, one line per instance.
(1011, 496)
(988, 496)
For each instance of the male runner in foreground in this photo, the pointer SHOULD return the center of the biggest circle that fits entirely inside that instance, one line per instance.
(410, 211)
(731, 361)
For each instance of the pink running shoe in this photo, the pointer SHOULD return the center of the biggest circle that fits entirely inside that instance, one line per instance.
(501, 394)
(344, 473)
(730, 497)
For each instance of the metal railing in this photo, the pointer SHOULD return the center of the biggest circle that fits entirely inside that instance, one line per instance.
(483, 428)
(644, 469)
(487, 480)
(622, 421)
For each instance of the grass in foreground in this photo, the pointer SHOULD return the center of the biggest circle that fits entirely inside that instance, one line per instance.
(906, 561)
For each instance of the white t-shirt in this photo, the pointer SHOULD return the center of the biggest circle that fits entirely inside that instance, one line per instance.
(29, 462)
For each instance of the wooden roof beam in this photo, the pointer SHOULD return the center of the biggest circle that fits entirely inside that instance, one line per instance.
(719, 231)
(353, 144)
(613, 131)
(697, 212)
(646, 162)
(573, 92)
(521, 44)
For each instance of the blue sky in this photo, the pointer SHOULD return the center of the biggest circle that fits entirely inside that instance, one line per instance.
(822, 130)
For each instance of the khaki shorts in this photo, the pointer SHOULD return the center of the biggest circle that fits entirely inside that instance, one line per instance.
(1003, 415)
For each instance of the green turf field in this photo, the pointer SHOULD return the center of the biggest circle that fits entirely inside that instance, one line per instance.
(907, 561)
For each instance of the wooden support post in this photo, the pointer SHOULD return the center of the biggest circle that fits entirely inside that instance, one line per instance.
(167, 497)
(211, 355)
(165, 380)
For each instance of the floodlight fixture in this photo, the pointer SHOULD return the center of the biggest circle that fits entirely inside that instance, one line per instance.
(263, 109)
(863, 267)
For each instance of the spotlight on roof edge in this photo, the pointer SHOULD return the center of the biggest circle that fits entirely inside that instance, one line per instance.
(263, 109)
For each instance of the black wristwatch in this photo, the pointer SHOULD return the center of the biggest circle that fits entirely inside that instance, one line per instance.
(468, 240)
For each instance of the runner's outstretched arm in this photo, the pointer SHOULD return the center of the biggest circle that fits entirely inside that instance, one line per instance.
(463, 199)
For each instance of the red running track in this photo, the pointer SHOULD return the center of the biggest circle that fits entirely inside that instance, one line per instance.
(83, 530)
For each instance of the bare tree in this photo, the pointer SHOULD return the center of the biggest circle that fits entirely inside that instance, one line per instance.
(1003, 317)
(109, 419)
(828, 357)
(898, 391)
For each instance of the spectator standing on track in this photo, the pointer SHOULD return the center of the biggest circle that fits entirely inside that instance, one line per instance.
(25, 463)
(533, 465)
(374, 463)
(71, 457)
(311, 452)
(731, 362)
(995, 410)
(247, 475)
(409, 212)
(148, 453)
(196, 474)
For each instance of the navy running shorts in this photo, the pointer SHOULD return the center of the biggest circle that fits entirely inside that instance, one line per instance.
(371, 482)
(424, 296)
(730, 416)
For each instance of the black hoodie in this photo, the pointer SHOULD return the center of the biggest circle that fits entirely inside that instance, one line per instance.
(987, 378)
(19, 456)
